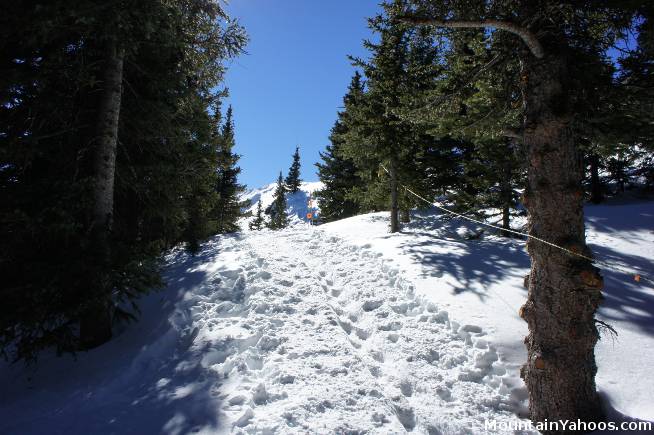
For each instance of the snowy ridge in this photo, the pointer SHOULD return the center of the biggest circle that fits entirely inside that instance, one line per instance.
(296, 203)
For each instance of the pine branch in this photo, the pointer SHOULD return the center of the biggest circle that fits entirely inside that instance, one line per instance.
(529, 38)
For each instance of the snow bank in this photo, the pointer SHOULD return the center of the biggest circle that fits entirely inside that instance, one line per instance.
(482, 281)
(341, 328)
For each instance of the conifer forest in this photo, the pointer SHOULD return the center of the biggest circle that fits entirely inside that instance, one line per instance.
(465, 245)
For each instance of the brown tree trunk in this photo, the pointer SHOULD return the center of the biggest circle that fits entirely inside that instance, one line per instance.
(506, 219)
(395, 224)
(405, 216)
(596, 195)
(564, 290)
(506, 191)
(95, 322)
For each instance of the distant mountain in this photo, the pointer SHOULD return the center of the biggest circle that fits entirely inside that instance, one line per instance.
(297, 203)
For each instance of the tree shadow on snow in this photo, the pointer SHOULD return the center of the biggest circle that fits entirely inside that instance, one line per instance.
(615, 416)
(148, 379)
(625, 299)
(475, 264)
(611, 216)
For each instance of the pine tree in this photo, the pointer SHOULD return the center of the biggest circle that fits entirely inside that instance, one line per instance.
(258, 222)
(228, 207)
(339, 178)
(564, 291)
(293, 180)
(470, 110)
(115, 164)
(338, 173)
(636, 81)
(385, 146)
(278, 215)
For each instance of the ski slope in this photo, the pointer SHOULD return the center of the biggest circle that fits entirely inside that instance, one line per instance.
(340, 328)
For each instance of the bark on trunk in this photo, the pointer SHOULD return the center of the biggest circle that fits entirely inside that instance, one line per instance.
(596, 195)
(506, 219)
(506, 191)
(564, 291)
(405, 216)
(95, 322)
(395, 224)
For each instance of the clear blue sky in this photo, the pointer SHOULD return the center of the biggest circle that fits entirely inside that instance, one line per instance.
(287, 89)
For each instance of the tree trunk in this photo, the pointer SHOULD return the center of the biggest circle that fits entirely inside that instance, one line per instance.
(395, 224)
(564, 290)
(95, 322)
(506, 191)
(596, 195)
(405, 216)
(506, 219)
(621, 176)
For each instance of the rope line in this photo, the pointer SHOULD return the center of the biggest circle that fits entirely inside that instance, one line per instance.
(607, 266)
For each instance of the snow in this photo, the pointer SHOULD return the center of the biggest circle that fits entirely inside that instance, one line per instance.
(339, 328)
(482, 281)
(296, 203)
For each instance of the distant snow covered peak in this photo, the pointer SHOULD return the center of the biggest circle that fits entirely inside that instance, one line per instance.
(297, 204)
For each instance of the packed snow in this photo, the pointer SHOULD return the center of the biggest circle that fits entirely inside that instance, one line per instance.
(481, 280)
(339, 328)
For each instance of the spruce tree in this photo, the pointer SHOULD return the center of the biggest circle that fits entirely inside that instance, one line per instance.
(258, 222)
(338, 173)
(385, 146)
(551, 40)
(278, 215)
(110, 168)
(228, 206)
(293, 180)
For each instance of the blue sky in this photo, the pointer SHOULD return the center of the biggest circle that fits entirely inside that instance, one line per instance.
(287, 89)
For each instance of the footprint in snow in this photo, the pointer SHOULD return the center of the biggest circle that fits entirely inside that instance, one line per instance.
(244, 419)
(264, 275)
(371, 305)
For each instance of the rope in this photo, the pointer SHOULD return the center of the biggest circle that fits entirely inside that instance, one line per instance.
(637, 277)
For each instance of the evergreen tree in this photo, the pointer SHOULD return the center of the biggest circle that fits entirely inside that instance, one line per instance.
(338, 173)
(339, 177)
(278, 215)
(258, 222)
(636, 81)
(228, 206)
(551, 39)
(293, 180)
(105, 155)
(385, 146)
(480, 115)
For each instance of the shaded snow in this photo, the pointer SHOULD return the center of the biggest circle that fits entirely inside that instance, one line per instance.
(338, 328)
(482, 281)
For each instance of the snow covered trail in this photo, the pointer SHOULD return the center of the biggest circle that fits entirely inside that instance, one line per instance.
(310, 334)
(294, 331)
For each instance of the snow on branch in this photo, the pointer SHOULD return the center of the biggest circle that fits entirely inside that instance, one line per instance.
(527, 37)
